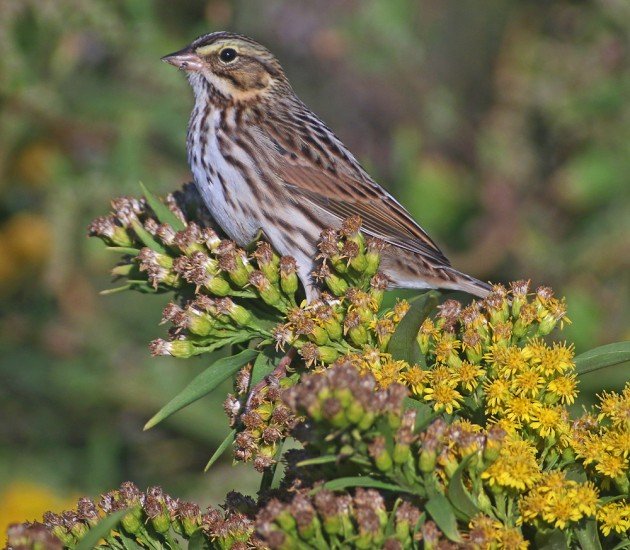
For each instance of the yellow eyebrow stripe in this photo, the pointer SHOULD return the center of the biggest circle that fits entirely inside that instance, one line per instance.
(207, 50)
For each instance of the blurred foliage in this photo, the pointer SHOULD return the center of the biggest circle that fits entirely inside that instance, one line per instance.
(502, 127)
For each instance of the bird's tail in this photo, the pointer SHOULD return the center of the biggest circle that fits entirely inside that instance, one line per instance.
(469, 284)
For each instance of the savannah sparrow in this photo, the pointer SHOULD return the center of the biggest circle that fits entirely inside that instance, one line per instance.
(263, 162)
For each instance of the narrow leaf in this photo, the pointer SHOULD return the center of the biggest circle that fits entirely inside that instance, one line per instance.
(123, 250)
(221, 449)
(128, 542)
(146, 237)
(162, 212)
(198, 541)
(325, 459)
(459, 495)
(587, 535)
(263, 366)
(552, 539)
(100, 530)
(403, 343)
(203, 384)
(272, 475)
(610, 355)
(424, 415)
(347, 482)
(439, 508)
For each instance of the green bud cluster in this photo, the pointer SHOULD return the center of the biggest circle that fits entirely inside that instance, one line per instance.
(370, 433)
(262, 423)
(153, 519)
(329, 519)
(217, 284)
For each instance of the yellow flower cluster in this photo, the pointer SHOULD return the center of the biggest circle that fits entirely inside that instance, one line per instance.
(487, 533)
(604, 442)
(528, 386)
(614, 517)
(516, 468)
(558, 501)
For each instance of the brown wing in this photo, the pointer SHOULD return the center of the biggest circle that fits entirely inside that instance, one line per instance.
(338, 184)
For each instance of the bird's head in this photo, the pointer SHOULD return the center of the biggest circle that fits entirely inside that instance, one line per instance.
(229, 67)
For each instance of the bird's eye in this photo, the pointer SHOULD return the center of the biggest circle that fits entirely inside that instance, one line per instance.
(227, 55)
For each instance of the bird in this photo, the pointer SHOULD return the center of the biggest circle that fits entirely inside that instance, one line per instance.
(265, 164)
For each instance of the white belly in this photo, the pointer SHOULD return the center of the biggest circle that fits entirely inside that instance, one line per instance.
(206, 163)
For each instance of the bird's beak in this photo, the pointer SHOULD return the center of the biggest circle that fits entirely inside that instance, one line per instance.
(186, 59)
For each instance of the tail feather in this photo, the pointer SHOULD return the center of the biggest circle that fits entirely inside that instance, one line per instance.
(468, 284)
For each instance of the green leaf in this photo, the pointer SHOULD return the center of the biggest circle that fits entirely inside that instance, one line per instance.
(198, 541)
(128, 542)
(162, 212)
(203, 384)
(100, 530)
(610, 355)
(363, 481)
(551, 539)
(325, 459)
(221, 449)
(440, 509)
(459, 495)
(123, 250)
(271, 476)
(587, 535)
(403, 343)
(146, 237)
(424, 415)
(263, 366)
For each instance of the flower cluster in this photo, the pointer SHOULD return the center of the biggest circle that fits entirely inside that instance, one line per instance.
(603, 442)
(421, 426)
(266, 422)
(329, 520)
(556, 501)
(224, 295)
(149, 519)
(347, 319)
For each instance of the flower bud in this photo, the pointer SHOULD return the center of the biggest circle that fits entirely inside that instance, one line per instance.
(107, 229)
(428, 458)
(288, 275)
(373, 255)
(318, 336)
(177, 348)
(380, 455)
(402, 453)
(268, 292)
(267, 261)
(366, 422)
(218, 286)
(132, 522)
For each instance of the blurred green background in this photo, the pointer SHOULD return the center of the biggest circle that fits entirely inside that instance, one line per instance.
(503, 126)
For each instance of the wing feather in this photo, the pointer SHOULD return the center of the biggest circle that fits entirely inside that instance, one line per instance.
(340, 186)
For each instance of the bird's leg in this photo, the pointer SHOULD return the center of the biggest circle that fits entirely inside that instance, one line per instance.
(275, 375)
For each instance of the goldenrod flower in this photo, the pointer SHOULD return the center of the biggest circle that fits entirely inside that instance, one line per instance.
(528, 383)
(614, 516)
(616, 407)
(611, 465)
(444, 396)
(521, 409)
(415, 378)
(516, 468)
(546, 421)
(470, 375)
(497, 394)
(564, 388)
(441, 374)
